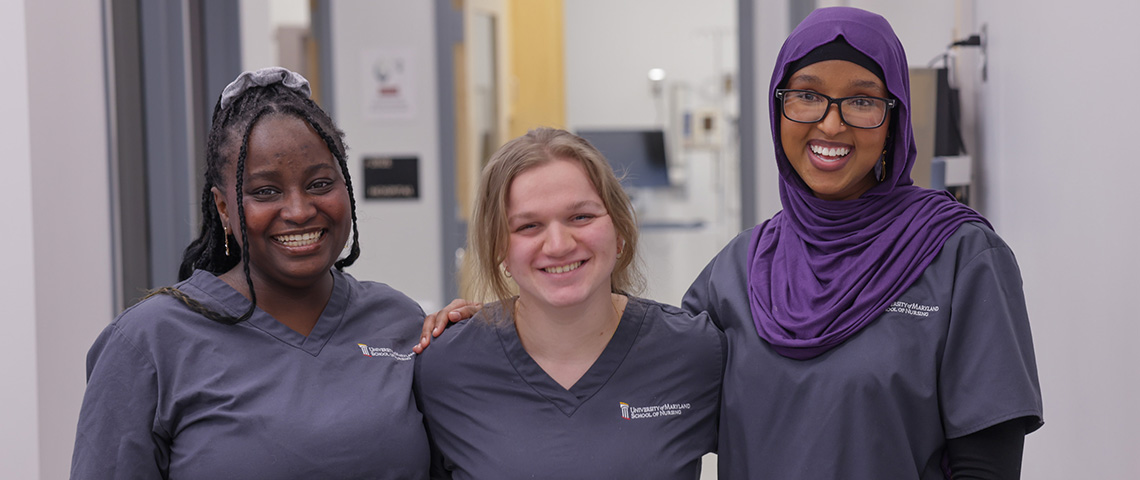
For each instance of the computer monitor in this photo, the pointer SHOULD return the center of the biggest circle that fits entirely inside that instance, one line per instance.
(638, 156)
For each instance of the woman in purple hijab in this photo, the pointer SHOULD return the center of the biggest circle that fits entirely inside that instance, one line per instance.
(876, 329)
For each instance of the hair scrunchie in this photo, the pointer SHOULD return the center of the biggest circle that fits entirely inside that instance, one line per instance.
(263, 78)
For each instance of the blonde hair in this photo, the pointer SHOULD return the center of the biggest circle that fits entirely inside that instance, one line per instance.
(488, 237)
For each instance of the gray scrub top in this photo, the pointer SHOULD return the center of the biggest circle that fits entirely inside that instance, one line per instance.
(952, 356)
(646, 408)
(171, 394)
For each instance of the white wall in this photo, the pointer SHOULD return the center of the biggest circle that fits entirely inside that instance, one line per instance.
(19, 444)
(258, 43)
(71, 210)
(58, 266)
(259, 22)
(1057, 123)
(609, 49)
(769, 31)
(400, 239)
(1055, 173)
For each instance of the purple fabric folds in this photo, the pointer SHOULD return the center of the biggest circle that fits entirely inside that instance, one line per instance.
(822, 270)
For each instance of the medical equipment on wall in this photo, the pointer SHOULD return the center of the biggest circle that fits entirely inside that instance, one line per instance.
(943, 161)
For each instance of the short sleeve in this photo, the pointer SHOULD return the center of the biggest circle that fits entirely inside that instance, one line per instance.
(116, 437)
(727, 270)
(988, 373)
(698, 298)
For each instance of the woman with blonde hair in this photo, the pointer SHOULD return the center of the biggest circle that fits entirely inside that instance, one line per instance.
(573, 377)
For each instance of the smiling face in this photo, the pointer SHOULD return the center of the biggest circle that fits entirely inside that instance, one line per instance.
(296, 204)
(836, 161)
(562, 245)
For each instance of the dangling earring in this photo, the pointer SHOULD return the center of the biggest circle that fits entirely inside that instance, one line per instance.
(227, 241)
(882, 166)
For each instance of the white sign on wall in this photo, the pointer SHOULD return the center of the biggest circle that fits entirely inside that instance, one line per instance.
(389, 86)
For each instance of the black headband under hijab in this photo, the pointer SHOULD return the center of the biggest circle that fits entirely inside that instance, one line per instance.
(837, 49)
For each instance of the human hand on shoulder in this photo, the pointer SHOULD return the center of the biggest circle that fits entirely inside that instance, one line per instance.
(435, 323)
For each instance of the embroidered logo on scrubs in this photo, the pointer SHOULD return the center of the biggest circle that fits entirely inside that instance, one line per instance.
(630, 412)
(915, 309)
(384, 352)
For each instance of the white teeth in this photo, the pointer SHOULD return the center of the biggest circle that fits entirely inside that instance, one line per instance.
(564, 268)
(830, 152)
(299, 240)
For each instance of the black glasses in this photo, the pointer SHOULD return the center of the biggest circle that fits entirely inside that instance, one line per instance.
(806, 106)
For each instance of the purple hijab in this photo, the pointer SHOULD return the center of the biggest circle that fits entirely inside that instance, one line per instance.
(822, 270)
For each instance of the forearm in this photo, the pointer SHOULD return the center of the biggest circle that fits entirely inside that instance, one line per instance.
(993, 453)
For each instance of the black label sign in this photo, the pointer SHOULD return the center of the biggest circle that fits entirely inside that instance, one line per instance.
(391, 177)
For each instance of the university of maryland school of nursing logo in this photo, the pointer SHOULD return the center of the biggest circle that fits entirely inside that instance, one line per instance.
(384, 352)
(629, 412)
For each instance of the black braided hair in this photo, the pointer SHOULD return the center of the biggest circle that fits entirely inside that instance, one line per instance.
(229, 131)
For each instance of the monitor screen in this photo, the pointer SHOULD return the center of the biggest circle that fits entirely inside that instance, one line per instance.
(637, 156)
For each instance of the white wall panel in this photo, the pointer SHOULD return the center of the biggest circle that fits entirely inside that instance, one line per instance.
(67, 133)
(400, 239)
(19, 442)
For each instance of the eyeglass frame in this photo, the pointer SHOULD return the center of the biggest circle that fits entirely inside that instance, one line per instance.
(838, 102)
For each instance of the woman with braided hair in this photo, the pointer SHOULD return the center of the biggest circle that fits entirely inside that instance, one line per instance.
(266, 360)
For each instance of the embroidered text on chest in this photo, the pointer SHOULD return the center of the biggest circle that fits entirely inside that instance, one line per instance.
(384, 352)
(630, 412)
(916, 309)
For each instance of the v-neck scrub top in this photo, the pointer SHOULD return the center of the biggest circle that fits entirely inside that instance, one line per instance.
(172, 394)
(952, 356)
(646, 408)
